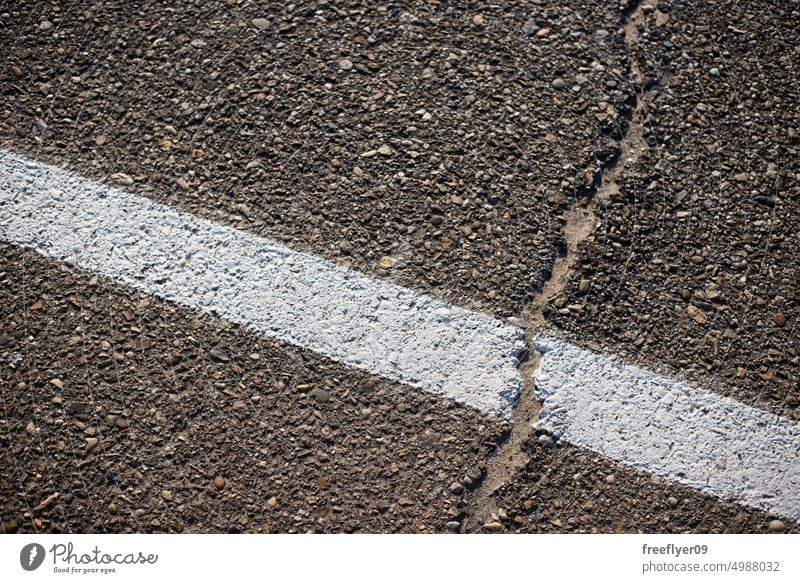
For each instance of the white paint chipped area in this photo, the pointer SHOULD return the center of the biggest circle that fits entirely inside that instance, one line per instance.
(294, 297)
(665, 427)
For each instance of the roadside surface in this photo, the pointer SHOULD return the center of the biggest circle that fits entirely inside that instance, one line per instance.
(683, 263)
(568, 489)
(129, 409)
(433, 146)
(446, 150)
(692, 267)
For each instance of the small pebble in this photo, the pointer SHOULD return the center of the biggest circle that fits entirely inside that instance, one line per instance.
(530, 26)
(777, 526)
(387, 262)
(219, 482)
(320, 395)
(122, 178)
(697, 314)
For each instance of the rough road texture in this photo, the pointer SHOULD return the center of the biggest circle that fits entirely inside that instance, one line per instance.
(293, 297)
(568, 489)
(176, 400)
(605, 286)
(247, 122)
(664, 427)
(129, 409)
(692, 268)
(433, 145)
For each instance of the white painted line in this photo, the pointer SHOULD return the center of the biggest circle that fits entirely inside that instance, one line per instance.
(653, 423)
(665, 427)
(294, 297)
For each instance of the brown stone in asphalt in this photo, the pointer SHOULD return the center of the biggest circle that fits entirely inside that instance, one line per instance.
(570, 489)
(235, 116)
(300, 463)
(694, 260)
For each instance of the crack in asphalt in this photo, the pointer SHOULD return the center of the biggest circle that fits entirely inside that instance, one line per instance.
(579, 225)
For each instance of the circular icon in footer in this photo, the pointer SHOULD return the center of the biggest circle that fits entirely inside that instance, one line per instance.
(31, 556)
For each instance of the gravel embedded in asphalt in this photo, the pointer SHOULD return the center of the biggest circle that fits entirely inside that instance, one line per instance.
(437, 147)
(567, 489)
(122, 405)
(692, 269)
(422, 143)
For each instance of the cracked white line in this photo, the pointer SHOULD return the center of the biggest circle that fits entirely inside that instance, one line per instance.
(653, 423)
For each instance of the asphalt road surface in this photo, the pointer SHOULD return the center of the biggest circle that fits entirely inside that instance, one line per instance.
(623, 177)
